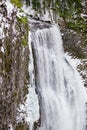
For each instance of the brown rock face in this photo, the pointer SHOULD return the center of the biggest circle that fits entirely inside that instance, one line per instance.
(14, 59)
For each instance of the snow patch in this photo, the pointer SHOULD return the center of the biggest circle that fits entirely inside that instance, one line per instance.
(2, 49)
(74, 62)
(10, 127)
(10, 8)
(28, 10)
(30, 109)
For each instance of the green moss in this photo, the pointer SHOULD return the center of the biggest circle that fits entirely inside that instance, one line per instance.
(22, 19)
(23, 22)
(24, 41)
(17, 3)
(17, 27)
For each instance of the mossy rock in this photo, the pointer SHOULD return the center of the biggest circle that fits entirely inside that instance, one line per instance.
(22, 19)
(24, 41)
(17, 3)
(23, 23)
(22, 126)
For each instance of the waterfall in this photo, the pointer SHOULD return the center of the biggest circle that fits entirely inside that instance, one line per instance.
(62, 97)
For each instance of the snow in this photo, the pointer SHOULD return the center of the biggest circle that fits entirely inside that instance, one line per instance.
(10, 127)
(2, 49)
(74, 62)
(1, 32)
(84, 16)
(28, 10)
(10, 8)
(30, 107)
(46, 17)
(3, 20)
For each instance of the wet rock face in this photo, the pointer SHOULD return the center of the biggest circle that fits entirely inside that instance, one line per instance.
(74, 43)
(14, 59)
(82, 68)
(36, 23)
(37, 124)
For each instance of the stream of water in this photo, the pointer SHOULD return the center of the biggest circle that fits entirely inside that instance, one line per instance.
(61, 95)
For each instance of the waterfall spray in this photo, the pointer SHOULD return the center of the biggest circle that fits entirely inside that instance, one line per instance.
(61, 94)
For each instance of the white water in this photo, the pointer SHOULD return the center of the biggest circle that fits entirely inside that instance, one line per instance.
(62, 96)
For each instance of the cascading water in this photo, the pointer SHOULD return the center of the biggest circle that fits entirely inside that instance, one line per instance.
(62, 97)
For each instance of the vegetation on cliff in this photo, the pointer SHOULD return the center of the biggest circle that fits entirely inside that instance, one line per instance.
(14, 57)
(71, 15)
(17, 3)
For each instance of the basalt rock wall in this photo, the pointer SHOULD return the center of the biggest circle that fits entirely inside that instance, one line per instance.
(14, 60)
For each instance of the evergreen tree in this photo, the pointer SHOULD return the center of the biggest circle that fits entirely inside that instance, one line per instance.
(36, 5)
